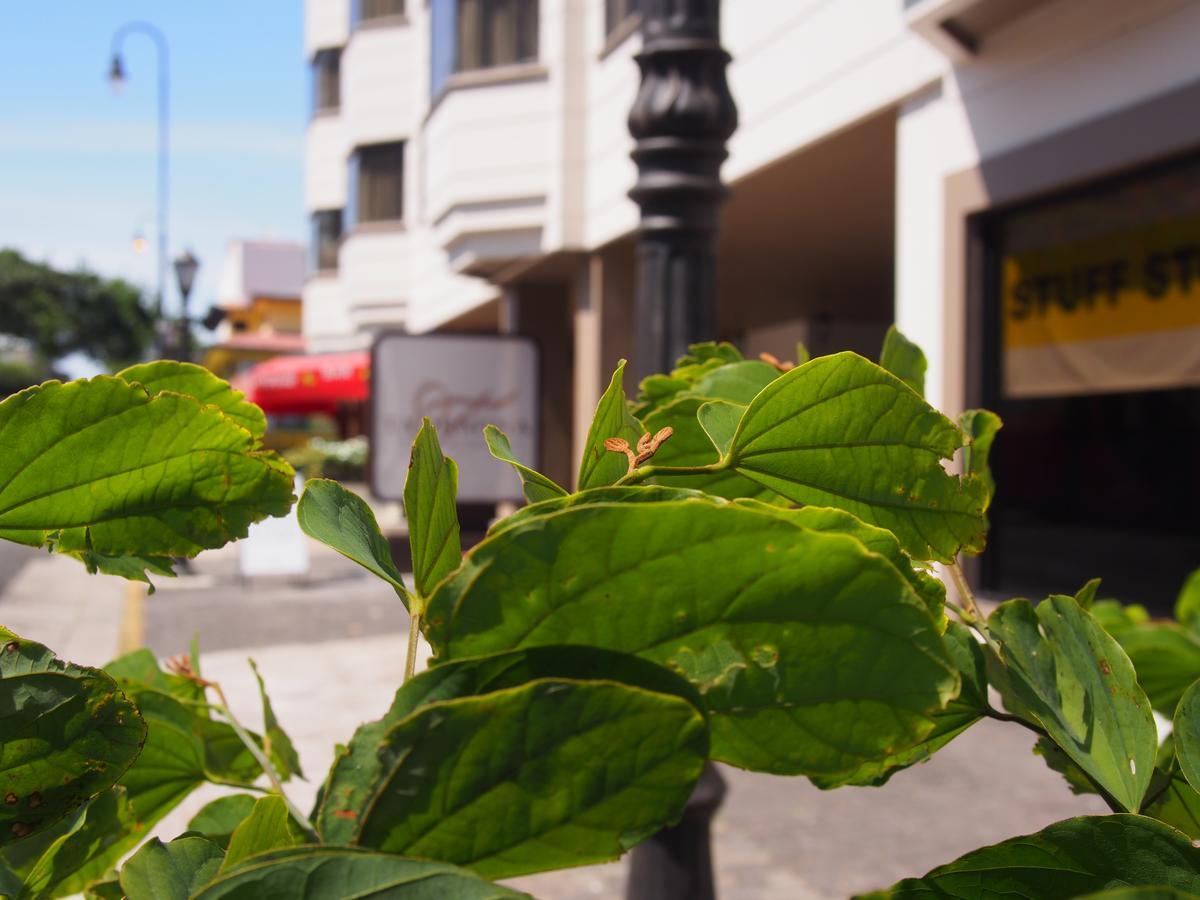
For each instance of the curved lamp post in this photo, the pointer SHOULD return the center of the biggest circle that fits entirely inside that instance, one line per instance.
(116, 78)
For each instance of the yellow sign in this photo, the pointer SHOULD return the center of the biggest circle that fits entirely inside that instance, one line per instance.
(1118, 312)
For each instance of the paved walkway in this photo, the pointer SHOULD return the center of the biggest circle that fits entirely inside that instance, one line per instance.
(775, 837)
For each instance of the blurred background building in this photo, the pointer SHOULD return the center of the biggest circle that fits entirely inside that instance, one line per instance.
(1014, 183)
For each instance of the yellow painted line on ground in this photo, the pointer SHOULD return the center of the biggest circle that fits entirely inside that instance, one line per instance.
(133, 618)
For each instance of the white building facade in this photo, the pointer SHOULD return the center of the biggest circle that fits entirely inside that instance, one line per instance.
(468, 167)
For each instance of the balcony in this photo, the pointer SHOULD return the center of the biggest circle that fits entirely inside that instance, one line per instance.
(380, 78)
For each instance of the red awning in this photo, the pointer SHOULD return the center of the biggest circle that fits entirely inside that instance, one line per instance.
(304, 384)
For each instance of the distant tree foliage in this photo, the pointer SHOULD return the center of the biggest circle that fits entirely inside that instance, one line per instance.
(58, 313)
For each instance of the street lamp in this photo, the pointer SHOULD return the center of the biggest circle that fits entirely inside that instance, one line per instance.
(116, 78)
(185, 271)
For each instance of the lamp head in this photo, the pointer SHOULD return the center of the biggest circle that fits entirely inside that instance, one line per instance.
(116, 74)
(185, 270)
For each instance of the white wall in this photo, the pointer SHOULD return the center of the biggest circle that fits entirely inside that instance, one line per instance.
(381, 100)
(1069, 62)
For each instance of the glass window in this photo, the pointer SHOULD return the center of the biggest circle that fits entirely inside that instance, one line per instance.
(377, 183)
(327, 80)
(617, 11)
(366, 10)
(496, 33)
(326, 234)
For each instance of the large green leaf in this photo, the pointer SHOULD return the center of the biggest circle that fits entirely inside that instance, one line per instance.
(1143, 892)
(341, 519)
(279, 746)
(904, 359)
(960, 714)
(429, 494)
(268, 827)
(529, 761)
(877, 540)
(172, 871)
(1068, 859)
(737, 382)
(700, 361)
(840, 431)
(196, 381)
(1066, 671)
(534, 485)
(1167, 659)
(344, 873)
(813, 654)
(218, 820)
(600, 466)
(66, 734)
(102, 467)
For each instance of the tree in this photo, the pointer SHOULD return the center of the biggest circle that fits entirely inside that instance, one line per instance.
(58, 313)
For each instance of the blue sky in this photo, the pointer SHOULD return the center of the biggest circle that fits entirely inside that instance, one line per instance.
(77, 162)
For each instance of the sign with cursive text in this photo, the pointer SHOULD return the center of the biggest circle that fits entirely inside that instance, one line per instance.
(462, 383)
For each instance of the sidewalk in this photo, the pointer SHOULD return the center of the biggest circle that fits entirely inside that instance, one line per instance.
(774, 838)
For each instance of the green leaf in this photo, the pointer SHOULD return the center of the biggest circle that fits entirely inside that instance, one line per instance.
(719, 419)
(600, 466)
(109, 889)
(1187, 604)
(100, 466)
(1069, 858)
(130, 566)
(429, 494)
(344, 873)
(813, 654)
(342, 520)
(1166, 657)
(877, 540)
(1187, 734)
(1176, 803)
(534, 485)
(980, 427)
(840, 431)
(172, 871)
(55, 862)
(689, 445)
(358, 768)
(196, 381)
(68, 734)
(1086, 595)
(558, 756)
(737, 382)
(268, 827)
(1081, 687)
(1143, 892)
(281, 751)
(628, 493)
(218, 819)
(904, 359)
(141, 666)
(960, 714)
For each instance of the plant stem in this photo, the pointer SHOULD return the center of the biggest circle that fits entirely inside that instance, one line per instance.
(637, 476)
(973, 617)
(414, 632)
(222, 707)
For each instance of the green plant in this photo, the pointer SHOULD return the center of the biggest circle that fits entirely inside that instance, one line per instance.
(746, 575)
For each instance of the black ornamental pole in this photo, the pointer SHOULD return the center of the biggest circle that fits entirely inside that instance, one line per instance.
(681, 119)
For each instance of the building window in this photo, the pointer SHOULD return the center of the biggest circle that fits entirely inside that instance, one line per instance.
(495, 33)
(326, 234)
(377, 183)
(617, 11)
(368, 10)
(327, 80)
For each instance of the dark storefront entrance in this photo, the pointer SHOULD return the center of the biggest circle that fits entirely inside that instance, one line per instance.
(1090, 312)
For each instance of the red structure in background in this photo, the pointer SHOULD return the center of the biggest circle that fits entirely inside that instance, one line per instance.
(337, 384)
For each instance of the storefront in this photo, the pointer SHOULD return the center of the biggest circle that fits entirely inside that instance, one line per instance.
(1083, 309)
